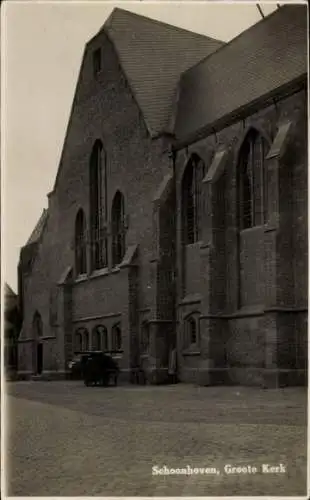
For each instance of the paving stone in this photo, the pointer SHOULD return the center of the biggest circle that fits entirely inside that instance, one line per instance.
(65, 440)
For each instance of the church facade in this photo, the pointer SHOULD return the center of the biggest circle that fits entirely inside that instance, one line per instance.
(178, 218)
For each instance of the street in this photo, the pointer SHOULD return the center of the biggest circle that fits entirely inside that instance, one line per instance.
(64, 439)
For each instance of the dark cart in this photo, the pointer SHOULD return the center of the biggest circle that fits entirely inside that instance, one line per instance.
(100, 368)
(77, 364)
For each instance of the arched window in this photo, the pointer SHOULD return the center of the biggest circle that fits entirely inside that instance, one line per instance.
(145, 337)
(118, 229)
(192, 331)
(191, 200)
(116, 338)
(191, 338)
(100, 338)
(251, 180)
(78, 341)
(80, 243)
(37, 325)
(85, 340)
(98, 211)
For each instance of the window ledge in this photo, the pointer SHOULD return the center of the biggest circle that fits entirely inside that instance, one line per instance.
(145, 355)
(191, 352)
(99, 272)
(259, 227)
(195, 244)
(251, 310)
(270, 228)
(81, 277)
(117, 356)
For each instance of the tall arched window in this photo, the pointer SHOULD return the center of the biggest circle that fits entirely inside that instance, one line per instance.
(191, 200)
(98, 201)
(100, 338)
(118, 228)
(116, 338)
(80, 243)
(251, 180)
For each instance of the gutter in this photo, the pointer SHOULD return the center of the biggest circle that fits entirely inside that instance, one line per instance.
(242, 112)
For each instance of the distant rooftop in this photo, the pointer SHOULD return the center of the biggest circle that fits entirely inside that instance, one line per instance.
(37, 232)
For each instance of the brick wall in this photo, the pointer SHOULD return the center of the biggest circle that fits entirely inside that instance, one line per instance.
(242, 270)
(104, 108)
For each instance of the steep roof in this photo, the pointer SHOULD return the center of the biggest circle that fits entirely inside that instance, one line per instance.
(8, 292)
(10, 299)
(153, 55)
(38, 230)
(264, 58)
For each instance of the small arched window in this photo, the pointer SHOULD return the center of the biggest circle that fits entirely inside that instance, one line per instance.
(251, 180)
(191, 337)
(192, 331)
(192, 200)
(118, 229)
(37, 325)
(80, 243)
(86, 340)
(145, 337)
(98, 195)
(100, 338)
(78, 341)
(116, 338)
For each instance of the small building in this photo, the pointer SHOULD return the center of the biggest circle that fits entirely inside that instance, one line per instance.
(12, 325)
(178, 218)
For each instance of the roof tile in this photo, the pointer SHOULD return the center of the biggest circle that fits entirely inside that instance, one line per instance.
(267, 56)
(153, 56)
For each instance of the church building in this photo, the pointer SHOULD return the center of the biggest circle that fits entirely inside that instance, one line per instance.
(178, 218)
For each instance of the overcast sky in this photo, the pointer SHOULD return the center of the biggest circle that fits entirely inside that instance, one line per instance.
(42, 46)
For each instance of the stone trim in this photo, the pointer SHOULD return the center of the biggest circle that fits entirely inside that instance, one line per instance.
(188, 352)
(115, 270)
(269, 228)
(158, 321)
(255, 313)
(81, 277)
(95, 274)
(99, 273)
(280, 139)
(286, 309)
(129, 257)
(65, 275)
(217, 167)
(194, 298)
(162, 189)
(98, 316)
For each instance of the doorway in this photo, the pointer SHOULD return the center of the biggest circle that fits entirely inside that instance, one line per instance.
(39, 358)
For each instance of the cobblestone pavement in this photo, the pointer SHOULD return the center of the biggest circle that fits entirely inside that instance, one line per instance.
(64, 439)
